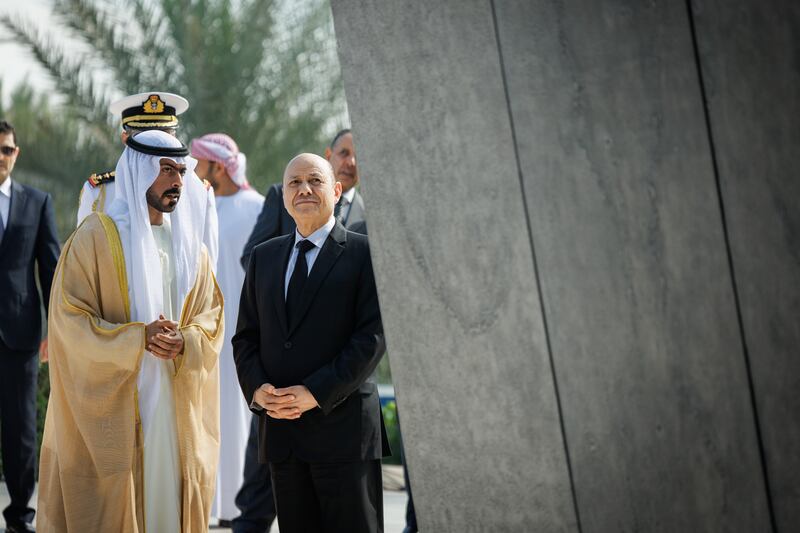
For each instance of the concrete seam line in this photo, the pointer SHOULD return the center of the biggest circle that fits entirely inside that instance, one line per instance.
(729, 254)
(535, 267)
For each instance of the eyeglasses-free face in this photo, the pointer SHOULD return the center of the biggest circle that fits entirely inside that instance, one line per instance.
(8, 150)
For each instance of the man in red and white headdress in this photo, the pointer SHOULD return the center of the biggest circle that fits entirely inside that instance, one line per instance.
(220, 162)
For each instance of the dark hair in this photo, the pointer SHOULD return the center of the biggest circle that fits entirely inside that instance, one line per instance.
(6, 128)
(339, 136)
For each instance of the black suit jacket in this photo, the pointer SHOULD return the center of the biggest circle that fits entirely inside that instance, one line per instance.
(359, 227)
(274, 220)
(356, 214)
(30, 237)
(332, 350)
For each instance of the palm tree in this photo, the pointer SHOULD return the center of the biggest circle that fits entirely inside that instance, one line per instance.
(263, 71)
(55, 153)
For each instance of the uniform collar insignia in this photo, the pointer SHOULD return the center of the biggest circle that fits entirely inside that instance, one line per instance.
(99, 179)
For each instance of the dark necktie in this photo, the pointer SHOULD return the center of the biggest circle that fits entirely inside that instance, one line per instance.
(2, 228)
(298, 280)
(341, 212)
(337, 209)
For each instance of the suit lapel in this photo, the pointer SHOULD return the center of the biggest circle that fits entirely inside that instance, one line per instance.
(15, 213)
(356, 213)
(331, 250)
(279, 298)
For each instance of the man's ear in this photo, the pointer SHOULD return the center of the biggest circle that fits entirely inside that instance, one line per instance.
(216, 168)
(337, 189)
(286, 199)
(328, 153)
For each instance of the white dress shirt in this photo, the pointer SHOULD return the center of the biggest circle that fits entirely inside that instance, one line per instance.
(317, 239)
(5, 201)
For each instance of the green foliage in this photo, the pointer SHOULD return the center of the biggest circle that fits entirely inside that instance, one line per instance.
(55, 156)
(383, 373)
(263, 71)
(393, 431)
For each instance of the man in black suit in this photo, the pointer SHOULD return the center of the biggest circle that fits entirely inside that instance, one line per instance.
(27, 236)
(309, 335)
(254, 499)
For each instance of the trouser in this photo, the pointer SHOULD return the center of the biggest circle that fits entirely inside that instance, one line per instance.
(254, 499)
(19, 373)
(328, 497)
(411, 514)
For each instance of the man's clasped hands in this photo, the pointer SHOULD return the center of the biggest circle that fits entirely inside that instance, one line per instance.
(287, 403)
(163, 338)
(165, 341)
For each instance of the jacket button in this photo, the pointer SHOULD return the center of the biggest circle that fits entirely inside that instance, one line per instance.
(287, 344)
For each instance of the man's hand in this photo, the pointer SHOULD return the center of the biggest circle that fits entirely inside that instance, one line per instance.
(287, 403)
(43, 355)
(163, 339)
(275, 405)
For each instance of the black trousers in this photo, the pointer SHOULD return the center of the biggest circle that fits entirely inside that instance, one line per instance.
(19, 373)
(254, 499)
(411, 513)
(328, 497)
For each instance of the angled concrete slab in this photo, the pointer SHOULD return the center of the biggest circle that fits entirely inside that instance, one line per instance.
(750, 61)
(512, 147)
(454, 266)
(638, 294)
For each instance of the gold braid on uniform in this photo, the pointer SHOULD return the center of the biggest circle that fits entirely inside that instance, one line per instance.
(99, 180)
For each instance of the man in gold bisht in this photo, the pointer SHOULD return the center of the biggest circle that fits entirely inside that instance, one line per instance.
(131, 439)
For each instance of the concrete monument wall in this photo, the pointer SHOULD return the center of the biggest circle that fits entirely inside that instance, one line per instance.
(454, 267)
(750, 56)
(637, 291)
(581, 338)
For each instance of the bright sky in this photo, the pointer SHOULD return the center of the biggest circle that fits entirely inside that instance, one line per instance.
(16, 63)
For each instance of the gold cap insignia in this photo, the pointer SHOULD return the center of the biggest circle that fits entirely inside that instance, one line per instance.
(154, 104)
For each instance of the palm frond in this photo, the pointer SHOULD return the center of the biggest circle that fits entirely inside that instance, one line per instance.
(88, 100)
(56, 154)
(161, 67)
(264, 71)
(106, 38)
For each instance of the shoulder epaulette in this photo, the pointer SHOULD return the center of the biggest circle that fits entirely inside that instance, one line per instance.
(98, 179)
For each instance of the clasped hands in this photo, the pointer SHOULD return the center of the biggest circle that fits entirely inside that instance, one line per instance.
(287, 403)
(163, 338)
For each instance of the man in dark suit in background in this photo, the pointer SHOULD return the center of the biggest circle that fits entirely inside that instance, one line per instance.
(309, 335)
(254, 499)
(27, 237)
